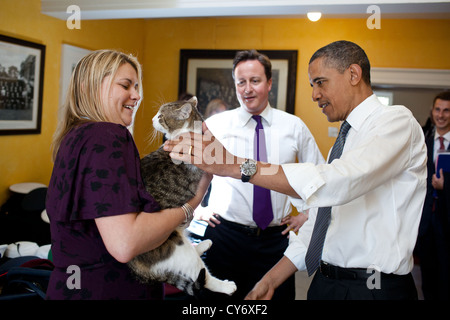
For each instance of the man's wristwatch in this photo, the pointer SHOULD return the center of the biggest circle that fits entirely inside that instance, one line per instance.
(248, 169)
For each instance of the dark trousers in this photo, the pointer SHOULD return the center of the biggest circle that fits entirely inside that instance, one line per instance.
(391, 287)
(433, 251)
(244, 255)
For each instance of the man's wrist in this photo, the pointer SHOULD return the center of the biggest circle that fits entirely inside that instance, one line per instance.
(248, 169)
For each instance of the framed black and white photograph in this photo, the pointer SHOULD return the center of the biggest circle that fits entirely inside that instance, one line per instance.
(207, 74)
(21, 86)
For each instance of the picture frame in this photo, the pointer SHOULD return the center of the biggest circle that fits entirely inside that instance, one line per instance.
(207, 75)
(21, 86)
(70, 56)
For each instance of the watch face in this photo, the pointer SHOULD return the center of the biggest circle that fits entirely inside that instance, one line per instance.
(249, 167)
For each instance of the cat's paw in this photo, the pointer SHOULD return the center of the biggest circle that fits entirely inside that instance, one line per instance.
(228, 287)
(203, 246)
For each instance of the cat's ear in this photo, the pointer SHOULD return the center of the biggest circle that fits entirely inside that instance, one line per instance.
(184, 111)
(193, 101)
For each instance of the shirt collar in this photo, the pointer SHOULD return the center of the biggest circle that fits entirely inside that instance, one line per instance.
(358, 115)
(446, 136)
(244, 116)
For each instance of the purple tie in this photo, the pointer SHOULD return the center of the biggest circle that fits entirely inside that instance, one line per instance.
(262, 205)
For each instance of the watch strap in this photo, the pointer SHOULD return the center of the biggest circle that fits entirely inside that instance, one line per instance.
(244, 177)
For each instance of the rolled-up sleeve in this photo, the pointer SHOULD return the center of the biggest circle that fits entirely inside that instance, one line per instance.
(305, 179)
(298, 243)
(296, 251)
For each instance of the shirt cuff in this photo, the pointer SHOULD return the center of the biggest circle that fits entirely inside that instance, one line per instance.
(296, 251)
(305, 179)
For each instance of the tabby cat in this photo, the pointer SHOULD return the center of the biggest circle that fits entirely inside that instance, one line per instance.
(176, 261)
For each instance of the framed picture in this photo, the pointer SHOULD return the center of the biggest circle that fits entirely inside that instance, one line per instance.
(21, 86)
(207, 74)
(70, 55)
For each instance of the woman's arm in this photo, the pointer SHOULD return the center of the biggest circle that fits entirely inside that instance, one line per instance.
(128, 235)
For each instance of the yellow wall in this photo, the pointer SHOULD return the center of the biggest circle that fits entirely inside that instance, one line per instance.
(399, 43)
(26, 158)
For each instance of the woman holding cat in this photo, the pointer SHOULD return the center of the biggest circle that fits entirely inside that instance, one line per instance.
(96, 200)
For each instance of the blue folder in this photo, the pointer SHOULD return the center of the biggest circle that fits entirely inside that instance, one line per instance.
(442, 162)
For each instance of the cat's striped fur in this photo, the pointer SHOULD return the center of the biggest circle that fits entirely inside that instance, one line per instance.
(176, 261)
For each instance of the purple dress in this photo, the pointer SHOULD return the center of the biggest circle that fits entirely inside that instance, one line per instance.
(96, 174)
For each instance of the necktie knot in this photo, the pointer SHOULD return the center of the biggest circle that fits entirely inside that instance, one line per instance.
(344, 128)
(340, 141)
(258, 119)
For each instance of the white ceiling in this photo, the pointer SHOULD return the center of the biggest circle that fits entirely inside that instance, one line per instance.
(148, 9)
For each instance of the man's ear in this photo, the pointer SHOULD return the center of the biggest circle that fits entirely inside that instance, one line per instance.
(269, 82)
(355, 74)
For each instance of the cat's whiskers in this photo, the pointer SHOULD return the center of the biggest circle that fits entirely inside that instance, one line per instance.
(154, 134)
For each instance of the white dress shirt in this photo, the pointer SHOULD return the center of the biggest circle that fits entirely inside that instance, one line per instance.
(437, 143)
(287, 139)
(376, 190)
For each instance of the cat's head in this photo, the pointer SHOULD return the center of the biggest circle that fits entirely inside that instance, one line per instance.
(175, 118)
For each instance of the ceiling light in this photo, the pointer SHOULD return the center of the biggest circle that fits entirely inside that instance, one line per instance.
(314, 16)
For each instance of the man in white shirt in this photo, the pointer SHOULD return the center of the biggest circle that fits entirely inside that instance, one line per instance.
(242, 250)
(376, 188)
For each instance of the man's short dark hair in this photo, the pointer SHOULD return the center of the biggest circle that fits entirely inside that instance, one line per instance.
(253, 55)
(341, 54)
(445, 95)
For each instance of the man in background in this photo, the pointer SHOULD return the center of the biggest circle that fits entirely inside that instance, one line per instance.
(433, 240)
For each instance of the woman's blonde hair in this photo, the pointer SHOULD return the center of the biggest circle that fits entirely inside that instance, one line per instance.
(83, 100)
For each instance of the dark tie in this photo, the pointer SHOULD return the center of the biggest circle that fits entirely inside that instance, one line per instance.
(441, 141)
(314, 253)
(262, 205)
(441, 149)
